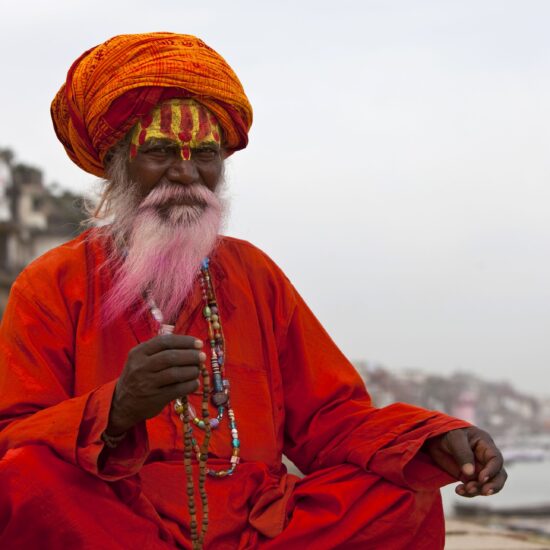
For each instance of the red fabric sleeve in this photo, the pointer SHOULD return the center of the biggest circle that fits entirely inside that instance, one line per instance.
(37, 405)
(330, 418)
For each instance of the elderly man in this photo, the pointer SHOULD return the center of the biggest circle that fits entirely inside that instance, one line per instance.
(154, 373)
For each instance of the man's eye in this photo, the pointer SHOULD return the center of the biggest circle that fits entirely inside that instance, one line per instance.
(206, 153)
(159, 149)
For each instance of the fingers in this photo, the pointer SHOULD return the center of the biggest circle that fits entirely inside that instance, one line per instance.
(469, 489)
(492, 476)
(474, 488)
(176, 357)
(157, 372)
(495, 484)
(169, 341)
(176, 375)
(182, 389)
(458, 445)
(489, 457)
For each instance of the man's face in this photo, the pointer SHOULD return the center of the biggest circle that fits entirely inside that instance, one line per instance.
(178, 143)
(168, 212)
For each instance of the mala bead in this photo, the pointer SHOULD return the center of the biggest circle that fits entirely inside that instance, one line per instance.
(214, 423)
(219, 398)
(166, 329)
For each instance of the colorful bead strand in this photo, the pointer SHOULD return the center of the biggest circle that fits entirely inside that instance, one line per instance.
(220, 398)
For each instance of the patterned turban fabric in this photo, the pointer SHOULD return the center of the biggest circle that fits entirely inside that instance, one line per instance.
(111, 86)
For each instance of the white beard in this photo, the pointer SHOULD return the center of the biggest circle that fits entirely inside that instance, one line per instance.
(167, 236)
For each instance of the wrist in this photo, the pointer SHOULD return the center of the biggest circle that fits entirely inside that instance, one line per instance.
(112, 441)
(118, 423)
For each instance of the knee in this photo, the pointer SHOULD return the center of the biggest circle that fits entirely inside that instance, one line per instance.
(408, 508)
(34, 472)
(37, 486)
(414, 520)
(27, 463)
(23, 475)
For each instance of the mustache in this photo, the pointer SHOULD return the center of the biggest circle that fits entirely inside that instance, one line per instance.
(168, 195)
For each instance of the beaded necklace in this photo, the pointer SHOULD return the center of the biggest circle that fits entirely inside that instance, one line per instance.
(220, 399)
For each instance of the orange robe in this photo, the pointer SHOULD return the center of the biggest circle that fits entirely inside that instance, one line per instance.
(367, 483)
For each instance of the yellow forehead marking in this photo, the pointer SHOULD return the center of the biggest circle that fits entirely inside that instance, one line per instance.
(183, 121)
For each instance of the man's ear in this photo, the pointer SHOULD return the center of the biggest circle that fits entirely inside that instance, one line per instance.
(124, 143)
(108, 158)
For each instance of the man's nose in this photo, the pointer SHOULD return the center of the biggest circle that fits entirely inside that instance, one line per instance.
(183, 171)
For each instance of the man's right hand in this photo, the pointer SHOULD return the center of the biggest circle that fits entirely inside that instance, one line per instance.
(156, 372)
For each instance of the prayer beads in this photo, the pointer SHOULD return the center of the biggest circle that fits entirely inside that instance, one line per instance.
(220, 398)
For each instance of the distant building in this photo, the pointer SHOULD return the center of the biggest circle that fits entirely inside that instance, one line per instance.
(465, 406)
(494, 406)
(33, 219)
(545, 413)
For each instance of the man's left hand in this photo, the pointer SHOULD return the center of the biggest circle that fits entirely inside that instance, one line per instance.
(470, 455)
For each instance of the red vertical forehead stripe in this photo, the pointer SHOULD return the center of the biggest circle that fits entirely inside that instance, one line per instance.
(145, 123)
(214, 125)
(166, 119)
(186, 152)
(186, 130)
(186, 125)
(204, 124)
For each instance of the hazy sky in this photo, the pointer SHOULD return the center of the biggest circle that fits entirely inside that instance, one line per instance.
(398, 165)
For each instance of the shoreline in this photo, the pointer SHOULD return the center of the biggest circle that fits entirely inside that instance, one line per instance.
(464, 534)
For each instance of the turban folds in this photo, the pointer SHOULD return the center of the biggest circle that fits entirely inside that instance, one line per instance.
(110, 87)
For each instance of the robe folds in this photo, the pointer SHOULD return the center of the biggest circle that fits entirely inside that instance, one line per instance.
(367, 484)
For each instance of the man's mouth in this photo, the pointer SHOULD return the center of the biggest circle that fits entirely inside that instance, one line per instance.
(192, 202)
(189, 202)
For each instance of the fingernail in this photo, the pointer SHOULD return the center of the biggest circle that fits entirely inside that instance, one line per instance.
(485, 479)
(198, 344)
(468, 469)
(202, 357)
(489, 492)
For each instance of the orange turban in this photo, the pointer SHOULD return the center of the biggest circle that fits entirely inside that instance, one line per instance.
(110, 87)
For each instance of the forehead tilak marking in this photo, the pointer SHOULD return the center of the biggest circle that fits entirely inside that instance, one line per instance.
(186, 122)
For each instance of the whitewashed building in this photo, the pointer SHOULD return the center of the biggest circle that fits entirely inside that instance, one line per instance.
(32, 219)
